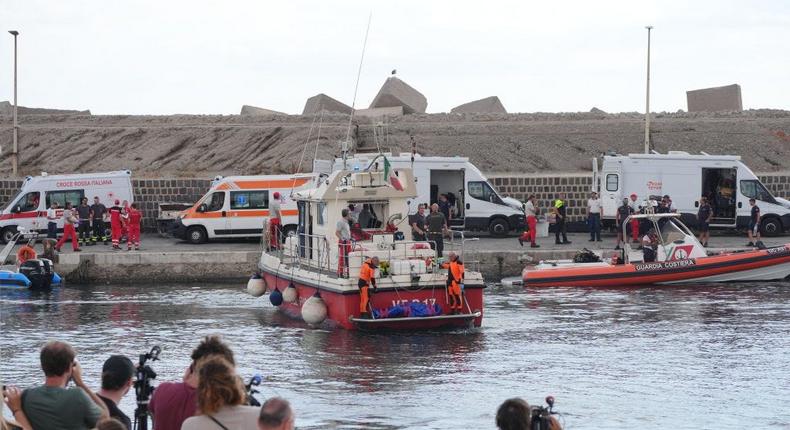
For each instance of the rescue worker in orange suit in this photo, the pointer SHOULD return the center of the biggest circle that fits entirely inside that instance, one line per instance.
(135, 216)
(367, 279)
(455, 283)
(275, 221)
(115, 224)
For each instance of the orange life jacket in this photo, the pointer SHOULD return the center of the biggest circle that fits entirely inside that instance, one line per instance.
(367, 271)
(455, 272)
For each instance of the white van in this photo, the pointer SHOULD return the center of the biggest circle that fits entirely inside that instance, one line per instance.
(28, 208)
(723, 179)
(477, 204)
(235, 206)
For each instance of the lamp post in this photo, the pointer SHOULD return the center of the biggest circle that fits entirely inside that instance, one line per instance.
(15, 149)
(647, 95)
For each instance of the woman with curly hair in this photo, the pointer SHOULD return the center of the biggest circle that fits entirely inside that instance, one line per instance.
(221, 397)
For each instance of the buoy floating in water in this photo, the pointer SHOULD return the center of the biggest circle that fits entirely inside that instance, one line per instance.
(290, 294)
(314, 310)
(256, 286)
(276, 297)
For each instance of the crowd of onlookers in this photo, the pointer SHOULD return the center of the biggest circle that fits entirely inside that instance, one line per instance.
(211, 396)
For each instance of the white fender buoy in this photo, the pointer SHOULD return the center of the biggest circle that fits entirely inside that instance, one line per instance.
(314, 310)
(290, 294)
(256, 286)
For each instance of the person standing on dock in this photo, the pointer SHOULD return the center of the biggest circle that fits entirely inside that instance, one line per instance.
(367, 279)
(436, 224)
(343, 233)
(275, 221)
(754, 223)
(704, 216)
(52, 221)
(115, 225)
(560, 209)
(68, 229)
(84, 213)
(594, 217)
(98, 212)
(531, 212)
(135, 217)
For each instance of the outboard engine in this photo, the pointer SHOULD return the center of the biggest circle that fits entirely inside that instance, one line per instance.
(36, 271)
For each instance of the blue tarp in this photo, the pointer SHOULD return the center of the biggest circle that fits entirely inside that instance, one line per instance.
(411, 309)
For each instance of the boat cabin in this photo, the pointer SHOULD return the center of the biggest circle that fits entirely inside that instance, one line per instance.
(673, 240)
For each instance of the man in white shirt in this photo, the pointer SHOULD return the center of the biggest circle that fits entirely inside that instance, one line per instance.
(594, 217)
(343, 234)
(636, 209)
(52, 221)
(531, 212)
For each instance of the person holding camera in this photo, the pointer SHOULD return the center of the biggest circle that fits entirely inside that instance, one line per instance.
(52, 405)
(221, 398)
(173, 402)
(517, 414)
(117, 378)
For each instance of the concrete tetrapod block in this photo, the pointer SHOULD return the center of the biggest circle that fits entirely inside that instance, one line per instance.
(395, 92)
(376, 113)
(322, 102)
(486, 105)
(727, 98)
(248, 110)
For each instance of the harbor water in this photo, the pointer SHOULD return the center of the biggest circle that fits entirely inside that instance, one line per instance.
(649, 358)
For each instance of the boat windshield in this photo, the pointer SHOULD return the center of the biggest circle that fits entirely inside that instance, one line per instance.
(671, 231)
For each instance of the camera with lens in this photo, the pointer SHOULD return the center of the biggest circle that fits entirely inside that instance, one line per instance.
(143, 388)
(541, 416)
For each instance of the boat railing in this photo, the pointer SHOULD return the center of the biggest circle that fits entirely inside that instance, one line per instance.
(458, 244)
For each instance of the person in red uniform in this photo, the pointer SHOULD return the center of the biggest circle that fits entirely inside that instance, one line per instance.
(455, 282)
(115, 224)
(69, 232)
(367, 278)
(135, 216)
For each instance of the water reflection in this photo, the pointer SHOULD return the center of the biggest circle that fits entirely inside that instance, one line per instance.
(678, 357)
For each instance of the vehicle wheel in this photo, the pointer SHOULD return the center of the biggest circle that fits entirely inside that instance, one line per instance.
(771, 227)
(288, 230)
(7, 234)
(196, 235)
(498, 227)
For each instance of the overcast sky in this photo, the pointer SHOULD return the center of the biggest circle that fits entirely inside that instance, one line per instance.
(211, 57)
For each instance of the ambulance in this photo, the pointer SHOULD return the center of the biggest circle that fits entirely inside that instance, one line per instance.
(725, 180)
(28, 208)
(235, 206)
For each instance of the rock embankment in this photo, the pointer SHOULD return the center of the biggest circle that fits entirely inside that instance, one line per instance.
(203, 146)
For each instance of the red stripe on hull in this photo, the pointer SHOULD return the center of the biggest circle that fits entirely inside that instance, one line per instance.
(626, 275)
(342, 306)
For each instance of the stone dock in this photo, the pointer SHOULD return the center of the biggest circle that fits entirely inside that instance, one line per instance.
(168, 260)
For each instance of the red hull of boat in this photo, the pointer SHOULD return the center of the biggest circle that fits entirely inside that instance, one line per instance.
(342, 307)
(657, 273)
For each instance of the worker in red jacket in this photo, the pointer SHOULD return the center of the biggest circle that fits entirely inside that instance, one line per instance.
(135, 216)
(115, 224)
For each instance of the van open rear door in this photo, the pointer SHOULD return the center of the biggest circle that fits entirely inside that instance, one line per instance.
(611, 193)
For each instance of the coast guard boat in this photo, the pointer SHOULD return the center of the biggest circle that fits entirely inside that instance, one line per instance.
(680, 258)
(302, 274)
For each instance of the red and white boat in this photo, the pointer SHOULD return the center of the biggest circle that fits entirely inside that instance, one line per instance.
(680, 258)
(302, 276)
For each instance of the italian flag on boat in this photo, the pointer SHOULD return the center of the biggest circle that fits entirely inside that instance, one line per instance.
(389, 177)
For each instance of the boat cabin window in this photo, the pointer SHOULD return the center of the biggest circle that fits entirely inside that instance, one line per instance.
(61, 197)
(249, 199)
(481, 190)
(215, 202)
(369, 214)
(29, 202)
(753, 189)
(670, 232)
(612, 182)
(321, 208)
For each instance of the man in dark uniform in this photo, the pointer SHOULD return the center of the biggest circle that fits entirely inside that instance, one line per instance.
(98, 212)
(84, 227)
(622, 213)
(436, 224)
(417, 222)
(560, 214)
(754, 223)
(704, 215)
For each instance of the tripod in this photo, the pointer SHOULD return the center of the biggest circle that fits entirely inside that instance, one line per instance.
(143, 388)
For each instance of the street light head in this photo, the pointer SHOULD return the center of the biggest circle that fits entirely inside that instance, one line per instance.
(649, 27)
(14, 32)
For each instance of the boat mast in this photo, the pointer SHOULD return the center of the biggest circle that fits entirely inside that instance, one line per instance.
(345, 146)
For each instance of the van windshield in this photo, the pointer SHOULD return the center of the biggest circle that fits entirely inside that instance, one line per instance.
(754, 189)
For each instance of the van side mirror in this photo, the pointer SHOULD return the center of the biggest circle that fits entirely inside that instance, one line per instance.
(740, 205)
(202, 208)
(16, 209)
(696, 204)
